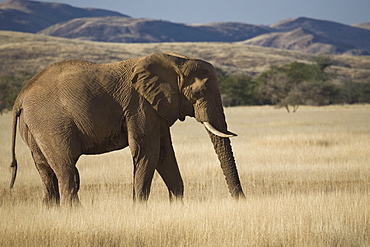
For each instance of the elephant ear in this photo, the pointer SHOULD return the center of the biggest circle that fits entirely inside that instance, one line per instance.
(156, 78)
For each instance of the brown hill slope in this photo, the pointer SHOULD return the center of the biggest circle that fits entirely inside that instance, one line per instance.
(31, 52)
(33, 16)
(300, 40)
(343, 37)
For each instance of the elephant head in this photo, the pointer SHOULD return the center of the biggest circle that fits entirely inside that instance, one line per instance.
(177, 86)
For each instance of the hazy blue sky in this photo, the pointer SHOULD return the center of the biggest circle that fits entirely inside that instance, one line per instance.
(248, 11)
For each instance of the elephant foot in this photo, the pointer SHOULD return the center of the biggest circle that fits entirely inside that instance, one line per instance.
(50, 202)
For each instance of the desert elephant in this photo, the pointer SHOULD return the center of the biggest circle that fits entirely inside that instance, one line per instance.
(77, 107)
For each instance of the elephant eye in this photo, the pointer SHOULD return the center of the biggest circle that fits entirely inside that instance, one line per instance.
(200, 94)
(199, 88)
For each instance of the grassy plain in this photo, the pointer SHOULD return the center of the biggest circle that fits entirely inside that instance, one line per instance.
(306, 177)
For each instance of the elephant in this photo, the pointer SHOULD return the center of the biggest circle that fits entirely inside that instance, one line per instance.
(76, 107)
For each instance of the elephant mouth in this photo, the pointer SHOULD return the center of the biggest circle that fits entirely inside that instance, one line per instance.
(216, 132)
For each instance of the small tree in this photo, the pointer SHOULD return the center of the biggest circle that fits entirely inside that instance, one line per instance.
(238, 89)
(276, 86)
(298, 83)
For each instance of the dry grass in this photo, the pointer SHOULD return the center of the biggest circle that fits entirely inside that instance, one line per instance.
(30, 52)
(306, 176)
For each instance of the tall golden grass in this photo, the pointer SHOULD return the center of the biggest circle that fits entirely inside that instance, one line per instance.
(306, 178)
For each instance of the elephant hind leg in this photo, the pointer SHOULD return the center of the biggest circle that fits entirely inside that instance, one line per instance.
(69, 184)
(67, 175)
(60, 186)
(51, 195)
(50, 182)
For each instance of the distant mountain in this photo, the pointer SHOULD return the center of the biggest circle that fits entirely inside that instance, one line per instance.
(131, 30)
(126, 30)
(232, 31)
(362, 25)
(32, 16)
(61, 20)
(343, 37)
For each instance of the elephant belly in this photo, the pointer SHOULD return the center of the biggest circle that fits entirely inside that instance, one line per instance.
(108, 144)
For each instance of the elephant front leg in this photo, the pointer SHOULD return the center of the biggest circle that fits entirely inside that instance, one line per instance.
(145, 153)
(168, 169)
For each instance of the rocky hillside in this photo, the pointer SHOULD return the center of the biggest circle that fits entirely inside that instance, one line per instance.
(300, 34)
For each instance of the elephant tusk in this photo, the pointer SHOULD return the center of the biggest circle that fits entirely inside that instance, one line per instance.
(214, 131)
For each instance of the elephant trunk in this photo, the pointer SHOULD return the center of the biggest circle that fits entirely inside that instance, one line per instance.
(225, 155)
(212, 116)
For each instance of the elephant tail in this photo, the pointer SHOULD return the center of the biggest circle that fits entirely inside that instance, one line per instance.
(14, 164)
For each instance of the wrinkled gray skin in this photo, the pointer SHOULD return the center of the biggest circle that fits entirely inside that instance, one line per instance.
(76, 107)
